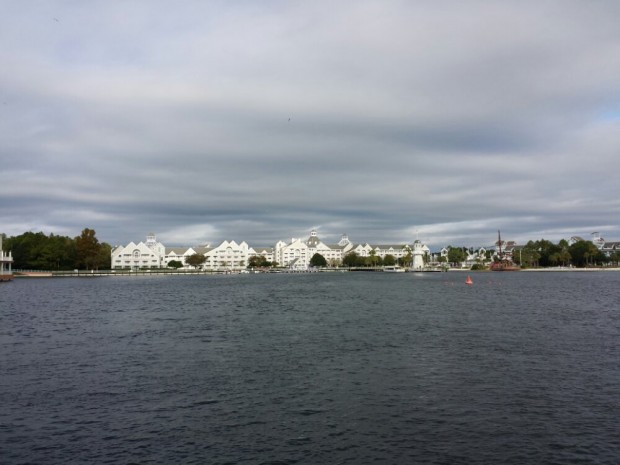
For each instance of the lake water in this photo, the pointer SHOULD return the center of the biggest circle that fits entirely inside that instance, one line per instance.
(322, 368)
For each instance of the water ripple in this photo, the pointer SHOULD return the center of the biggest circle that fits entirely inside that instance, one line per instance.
(304, 369)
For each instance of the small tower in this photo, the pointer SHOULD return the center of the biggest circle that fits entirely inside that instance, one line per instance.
(314, 240)
(418, 255)
(344, 240)
(151, 240)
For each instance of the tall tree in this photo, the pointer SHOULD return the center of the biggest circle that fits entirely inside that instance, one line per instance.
(87, 250)
(373, 258)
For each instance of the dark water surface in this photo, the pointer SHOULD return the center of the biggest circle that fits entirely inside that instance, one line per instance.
(520, 368)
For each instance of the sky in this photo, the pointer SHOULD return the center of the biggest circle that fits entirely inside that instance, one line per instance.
(258, 121)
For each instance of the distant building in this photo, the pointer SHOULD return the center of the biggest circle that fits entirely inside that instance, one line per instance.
(6, 263)
(609, 248)
(149, 254)
(575, 239)
(230, 255)
(266, 252)
(297, 253)
(153, 254)
(227, 256)
(179, 254)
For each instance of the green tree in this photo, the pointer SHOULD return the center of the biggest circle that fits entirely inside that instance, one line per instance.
(196, 260)
(389, 260)
(554, 258)
(615, 258)
(456, 255)
(258, 261)
(64, 254)
(38, 251)
(318, 260)
(176, 264)
(564, 256)
(585, 253)
(26, 249)
(351, 259)
(104, 258)
(374, 259)
(407, 260)
(529, 255)
(87, 250)
(547, 252)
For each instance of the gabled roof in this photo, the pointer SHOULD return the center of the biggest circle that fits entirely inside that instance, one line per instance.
(202, 249)
(177, 250)
(390, 246)
(337, 246)
(262, 249)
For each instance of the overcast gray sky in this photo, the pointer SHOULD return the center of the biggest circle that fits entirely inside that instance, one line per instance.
(258, 121)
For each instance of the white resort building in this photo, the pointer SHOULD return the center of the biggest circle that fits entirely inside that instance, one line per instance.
(229, 255)
(233, 256)
(297, 254)
(149, 254)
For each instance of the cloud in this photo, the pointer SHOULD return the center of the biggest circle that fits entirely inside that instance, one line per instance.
(215, 121)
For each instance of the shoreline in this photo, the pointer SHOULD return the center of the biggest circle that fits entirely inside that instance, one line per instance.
(108, 273)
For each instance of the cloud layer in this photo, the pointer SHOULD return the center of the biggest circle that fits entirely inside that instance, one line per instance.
(206, 121)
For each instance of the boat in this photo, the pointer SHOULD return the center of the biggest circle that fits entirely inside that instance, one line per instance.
(468, 281)
(503, 263)
(393, 269)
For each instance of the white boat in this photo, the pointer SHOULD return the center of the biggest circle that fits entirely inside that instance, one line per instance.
(393, 269)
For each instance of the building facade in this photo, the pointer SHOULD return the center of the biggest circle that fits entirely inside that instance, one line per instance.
(149, 254)
(234, 256)
(297, 253)
(6, 264)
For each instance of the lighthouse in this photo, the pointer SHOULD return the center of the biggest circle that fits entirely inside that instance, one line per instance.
(418, 256)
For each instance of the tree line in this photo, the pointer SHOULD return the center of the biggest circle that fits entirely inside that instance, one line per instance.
(540, 253)
(38, 251)
(580, 254)
(355, 260)
(544, 254)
